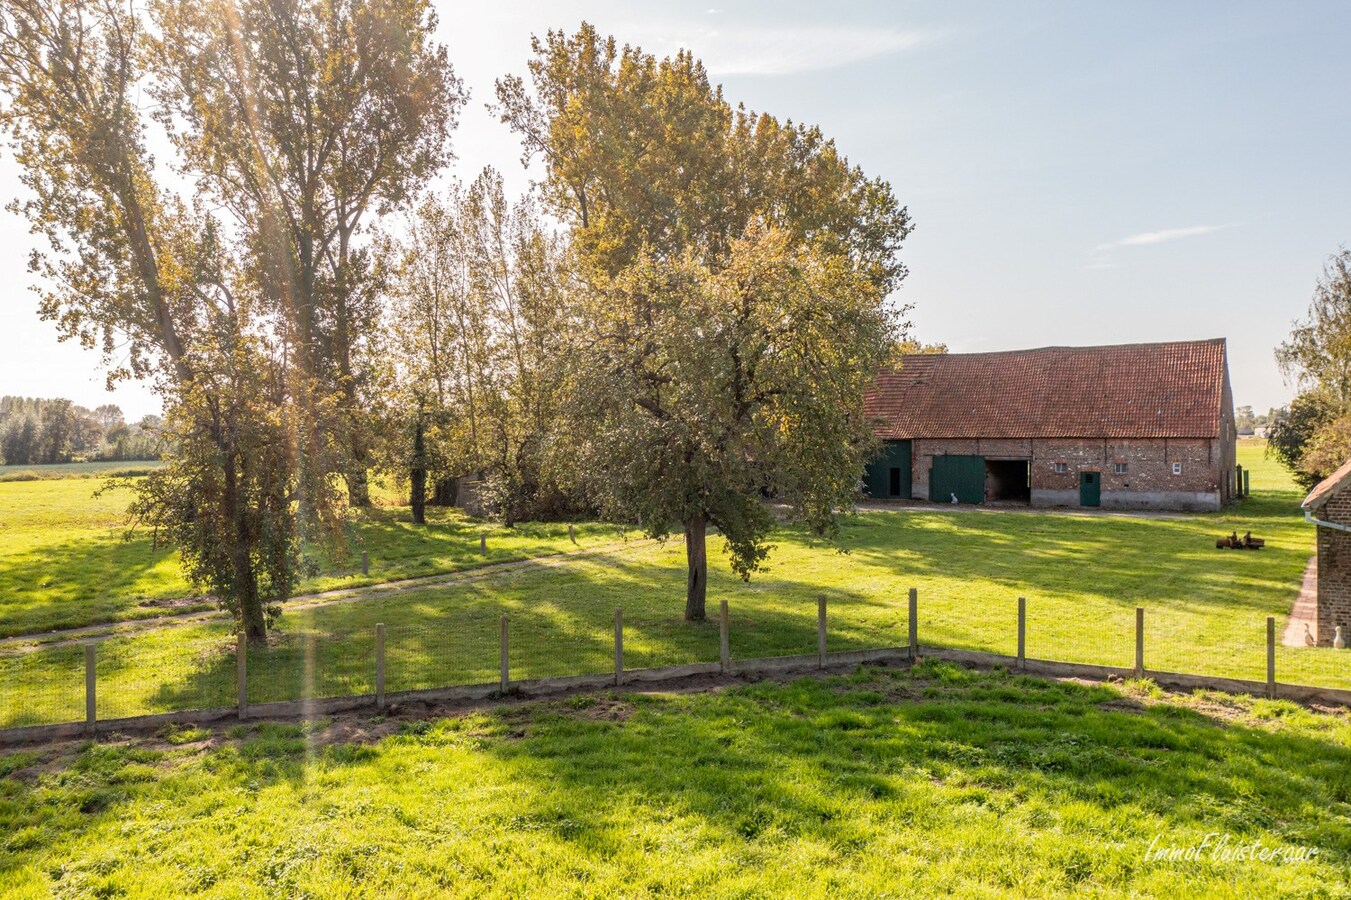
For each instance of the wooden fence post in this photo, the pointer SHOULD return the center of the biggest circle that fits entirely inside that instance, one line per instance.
(572, 535)
(1271, 657)
(242, 673)
(90, 689)
(1139, 642)
(483, 543)
(365, 563)
(310, 692)
(821, 631)
(380, 666)
(724, 639)
(1247, 482)
(914, 624)
(1022, 632)
(506, 671)
(619, 644)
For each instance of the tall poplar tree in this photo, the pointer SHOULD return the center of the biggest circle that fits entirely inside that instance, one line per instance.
(310, 118)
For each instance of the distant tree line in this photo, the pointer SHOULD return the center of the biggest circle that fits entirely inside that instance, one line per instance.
(35, 431)
(1246, 420)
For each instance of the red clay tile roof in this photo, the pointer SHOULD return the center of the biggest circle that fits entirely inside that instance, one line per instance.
(1328, 488)
(1124, 391)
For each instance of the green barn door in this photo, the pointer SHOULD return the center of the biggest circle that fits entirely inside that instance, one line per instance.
(889, 476)
(1090, 489)
(960, 475)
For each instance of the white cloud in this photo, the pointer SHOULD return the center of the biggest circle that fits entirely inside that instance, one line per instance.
(788, 51)
(1158, 237)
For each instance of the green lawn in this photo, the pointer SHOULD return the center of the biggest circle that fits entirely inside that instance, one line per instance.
(65, 560)
(76, 470)
(929, 782)
(1083, 576)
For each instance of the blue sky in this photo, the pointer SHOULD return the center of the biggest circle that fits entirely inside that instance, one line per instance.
(1078, 173)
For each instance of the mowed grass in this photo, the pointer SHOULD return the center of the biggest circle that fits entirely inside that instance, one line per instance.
(66, 559)
(927, 782)
(76, 470)
(1082, 576)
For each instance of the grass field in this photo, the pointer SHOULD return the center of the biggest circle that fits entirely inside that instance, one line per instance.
(61, 471)
(65, 560)
(933, 781)
(1083, 576)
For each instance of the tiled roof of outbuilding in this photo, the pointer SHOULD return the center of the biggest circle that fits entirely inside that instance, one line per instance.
(1121, 391)
(1328, 488)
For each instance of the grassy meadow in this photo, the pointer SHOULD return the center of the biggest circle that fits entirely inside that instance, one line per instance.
(1083, 576)
(888, 783)
(66, 558)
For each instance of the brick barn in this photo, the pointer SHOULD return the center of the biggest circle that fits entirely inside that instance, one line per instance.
(1133, 426)
(1328, 506)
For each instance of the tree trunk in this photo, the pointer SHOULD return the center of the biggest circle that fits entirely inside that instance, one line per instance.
(696, 560)
(248, 605)
(418, 477)
(358, 485)
(418, 500)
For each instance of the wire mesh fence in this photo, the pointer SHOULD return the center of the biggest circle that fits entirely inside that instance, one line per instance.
(45, 687)
(182, 669)
(310, 665)
(164, 672)
(1100, 639)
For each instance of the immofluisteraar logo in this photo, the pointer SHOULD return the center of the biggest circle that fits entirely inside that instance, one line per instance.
(1223, 847)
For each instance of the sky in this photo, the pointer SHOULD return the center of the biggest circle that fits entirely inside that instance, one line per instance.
(1077, 173)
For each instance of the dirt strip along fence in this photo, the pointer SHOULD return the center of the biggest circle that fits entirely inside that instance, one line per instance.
(313, 692)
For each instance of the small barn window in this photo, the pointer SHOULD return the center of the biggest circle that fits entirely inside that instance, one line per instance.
(1061, 468)
(1177, 468)
(1120, 468)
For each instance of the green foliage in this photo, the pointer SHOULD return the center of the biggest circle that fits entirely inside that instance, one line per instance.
(297, 122)
(1291, 435)
(1314, 438)
(735, 273)
(229, 494)
(307, 119)
(478, 312)
(34, 431)
(646, 156)
(676, 420)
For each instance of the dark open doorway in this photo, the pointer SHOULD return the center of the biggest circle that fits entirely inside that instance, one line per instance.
(1008, 480)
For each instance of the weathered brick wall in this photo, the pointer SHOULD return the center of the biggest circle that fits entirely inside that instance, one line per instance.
(1149, 463)
(1334, 571)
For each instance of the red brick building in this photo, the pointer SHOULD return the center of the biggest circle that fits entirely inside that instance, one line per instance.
(1139, 426)
(1328, 506)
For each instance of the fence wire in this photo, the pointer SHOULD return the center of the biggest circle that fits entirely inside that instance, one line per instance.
(42, 687)
(456, 641)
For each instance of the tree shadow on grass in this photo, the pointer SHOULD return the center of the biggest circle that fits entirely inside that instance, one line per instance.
(967, 761)
(66, 584)
(561, 622)
(954, 781)
(561, 618)
(1172, 563)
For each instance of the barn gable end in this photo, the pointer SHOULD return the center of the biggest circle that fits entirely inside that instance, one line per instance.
(1328, 506)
